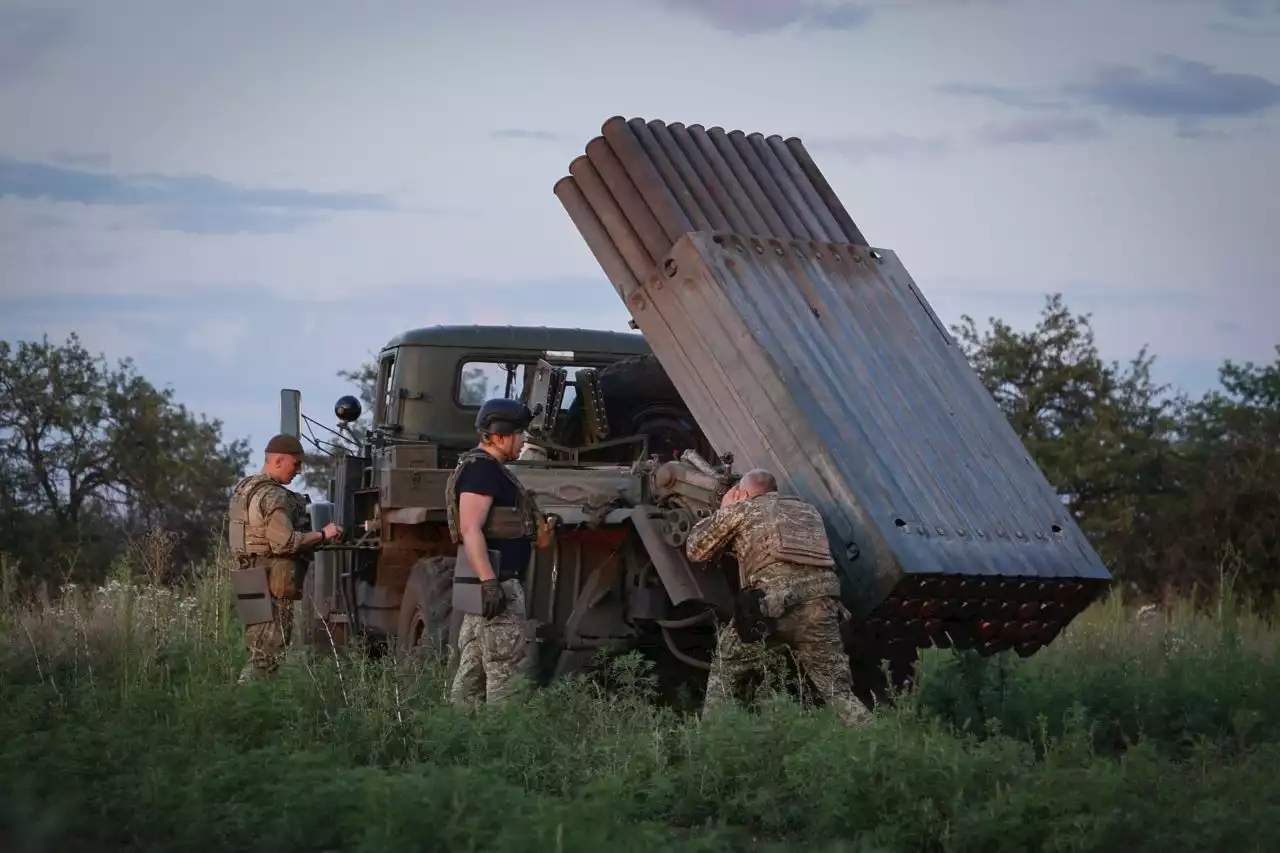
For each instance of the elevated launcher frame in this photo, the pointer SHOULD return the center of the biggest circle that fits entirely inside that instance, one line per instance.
(802, 349)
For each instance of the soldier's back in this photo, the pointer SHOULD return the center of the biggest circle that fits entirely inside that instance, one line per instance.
(253, 499)
(782, 533)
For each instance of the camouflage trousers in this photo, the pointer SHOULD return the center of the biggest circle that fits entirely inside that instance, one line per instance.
(811, 630)
(491, 655)
(268, 641)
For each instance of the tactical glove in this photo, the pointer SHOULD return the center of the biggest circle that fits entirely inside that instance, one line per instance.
(493, 602)
(750, 620)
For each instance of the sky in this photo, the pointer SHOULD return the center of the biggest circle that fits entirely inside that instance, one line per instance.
(248, 196)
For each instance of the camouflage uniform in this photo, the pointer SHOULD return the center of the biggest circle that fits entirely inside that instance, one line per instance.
(275, 521)
(782, 550)
(491, 651)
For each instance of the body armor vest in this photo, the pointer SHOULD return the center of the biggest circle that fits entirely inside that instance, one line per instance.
(248, 541)
(503, 522)
(784, 547)
(799, 536)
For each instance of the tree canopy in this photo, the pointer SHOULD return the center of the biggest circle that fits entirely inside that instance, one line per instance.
(1175, 492)
(92, 453)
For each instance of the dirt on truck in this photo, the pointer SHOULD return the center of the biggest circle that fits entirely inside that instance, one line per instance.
(771, 335)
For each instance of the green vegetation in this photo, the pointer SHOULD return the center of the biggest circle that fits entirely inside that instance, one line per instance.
(124, 730)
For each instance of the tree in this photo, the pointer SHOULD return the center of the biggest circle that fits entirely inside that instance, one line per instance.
(1227, 517)
(89, 452)
(476, 386)
(1099, 432)
(1173, 491)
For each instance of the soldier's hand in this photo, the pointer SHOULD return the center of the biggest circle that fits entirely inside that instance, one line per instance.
(332, 531)
(751, 604)
(492, 601)
(748, 618)
(547, 529)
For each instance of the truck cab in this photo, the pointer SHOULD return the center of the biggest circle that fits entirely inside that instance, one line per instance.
(605, 414)
(432, 381)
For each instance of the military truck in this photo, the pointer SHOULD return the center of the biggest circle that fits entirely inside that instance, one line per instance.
(772, 335)
(613, 453)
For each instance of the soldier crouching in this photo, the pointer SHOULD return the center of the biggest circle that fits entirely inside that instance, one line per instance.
(789, 592)
(494, 519)
(271, 542)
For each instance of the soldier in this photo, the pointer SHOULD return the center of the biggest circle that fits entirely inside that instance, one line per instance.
(271, 544)
(788, 590)
(491, 511)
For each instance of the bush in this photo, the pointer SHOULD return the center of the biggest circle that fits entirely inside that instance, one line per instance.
(124, 729)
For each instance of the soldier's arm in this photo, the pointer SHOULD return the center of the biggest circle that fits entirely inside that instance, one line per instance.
(715, 531)
(281, 537)
(473, 509)
(477, 486)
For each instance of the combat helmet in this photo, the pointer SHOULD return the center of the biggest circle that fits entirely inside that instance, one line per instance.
(503, 417)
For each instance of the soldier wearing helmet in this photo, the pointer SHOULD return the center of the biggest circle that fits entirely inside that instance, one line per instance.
(494, 520)
(271, 541)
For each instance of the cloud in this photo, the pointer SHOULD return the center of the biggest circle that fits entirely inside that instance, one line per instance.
(81, 159)
(531, 135)
(1190, 128)
(1002, 95)
(896, 145)
(1040, 131)
(27, 36)
(839, 17)
(1180, 88)
(1185, 91)
(1251, 8)
(197, 204)
(1256, 31)
(752, 17)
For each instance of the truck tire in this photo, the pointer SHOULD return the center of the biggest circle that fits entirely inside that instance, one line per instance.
(427, 607)
(640, 398)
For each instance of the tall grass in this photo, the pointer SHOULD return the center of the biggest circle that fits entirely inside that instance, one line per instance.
(123, 729)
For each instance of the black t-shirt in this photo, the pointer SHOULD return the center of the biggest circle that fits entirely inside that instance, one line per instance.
(485, 477)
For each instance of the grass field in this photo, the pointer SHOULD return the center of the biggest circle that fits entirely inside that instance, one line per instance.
(123, 729)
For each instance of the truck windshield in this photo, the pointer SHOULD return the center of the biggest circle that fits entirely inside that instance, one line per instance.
(483, 380)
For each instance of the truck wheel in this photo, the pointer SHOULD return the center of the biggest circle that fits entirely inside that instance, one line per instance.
(427, 606)
(640, 398)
